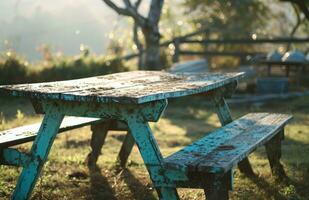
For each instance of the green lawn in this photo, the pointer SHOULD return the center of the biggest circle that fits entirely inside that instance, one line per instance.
(65, 175)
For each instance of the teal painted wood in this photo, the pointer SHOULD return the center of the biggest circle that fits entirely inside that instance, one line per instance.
(14, 157)
(28, 133)
(152, 156)
(142, 113)
(220, 150)
(129, 87)
(150, 111)
(225, 117)
(228, 154)
(39, 153)
(134, 97)
(223, 112)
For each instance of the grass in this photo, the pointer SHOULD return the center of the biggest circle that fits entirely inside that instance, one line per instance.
(65, 175)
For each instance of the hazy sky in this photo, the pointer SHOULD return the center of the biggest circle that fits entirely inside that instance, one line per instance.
(26, 24)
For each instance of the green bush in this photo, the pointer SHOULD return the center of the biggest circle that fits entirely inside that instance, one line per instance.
(14, 70)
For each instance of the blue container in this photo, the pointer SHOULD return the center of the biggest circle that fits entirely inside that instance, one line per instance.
(272, 85)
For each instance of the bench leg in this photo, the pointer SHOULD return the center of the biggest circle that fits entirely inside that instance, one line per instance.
(167, 193)
(273, 150)
(151, 155)
(225, 117)
(126, 149)
(218, 188)
(39, 152)
(245, 167)
(99, 132)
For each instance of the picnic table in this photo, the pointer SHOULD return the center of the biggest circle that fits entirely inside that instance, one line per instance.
(299, 66)
(136, 98)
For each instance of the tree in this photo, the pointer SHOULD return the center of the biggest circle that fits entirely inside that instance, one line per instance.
(149, 26)
(302, 5)
(229, 19)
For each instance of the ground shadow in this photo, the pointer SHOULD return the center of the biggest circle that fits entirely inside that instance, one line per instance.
(137, 188)
(301, 186)
(271, 191)
(99, 186)
(73, 143)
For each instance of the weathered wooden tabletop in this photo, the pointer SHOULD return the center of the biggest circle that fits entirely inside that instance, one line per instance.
(126, 87)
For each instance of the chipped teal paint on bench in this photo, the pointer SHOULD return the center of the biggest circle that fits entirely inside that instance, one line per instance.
(222, 149)
(27, 133)
(135, 98)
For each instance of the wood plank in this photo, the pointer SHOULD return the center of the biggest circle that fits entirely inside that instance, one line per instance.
(205, 145)
(227, 155)
(194, 155)
(27, 133)
(150, 91)
(127, 87)
(106, 82)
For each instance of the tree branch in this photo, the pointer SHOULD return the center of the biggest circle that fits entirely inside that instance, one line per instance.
(129, 10)
(298, 21)
(137, 4)
(120, 11)
(302, 5)
(136, 39)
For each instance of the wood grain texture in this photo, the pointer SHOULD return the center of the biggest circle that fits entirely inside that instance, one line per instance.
(29, 132)
(222, 149)
(127, 87)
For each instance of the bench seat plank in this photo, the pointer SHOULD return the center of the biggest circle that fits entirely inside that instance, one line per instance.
(27, 133)
(220, 150)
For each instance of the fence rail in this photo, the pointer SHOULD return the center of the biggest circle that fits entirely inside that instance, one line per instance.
(186, 39)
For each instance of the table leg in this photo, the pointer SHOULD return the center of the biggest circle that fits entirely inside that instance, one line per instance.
(151, 155)
(126, 149)
(99, 132)
(225, 117)
(39, 152)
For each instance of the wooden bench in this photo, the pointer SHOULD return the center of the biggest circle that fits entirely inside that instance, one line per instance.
(27, 133)
(208, 162)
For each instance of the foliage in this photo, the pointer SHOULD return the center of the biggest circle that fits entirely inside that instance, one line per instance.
(15, 70)
(12, 70)
(229, 19)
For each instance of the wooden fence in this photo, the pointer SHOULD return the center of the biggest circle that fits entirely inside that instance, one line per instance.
(187, 40)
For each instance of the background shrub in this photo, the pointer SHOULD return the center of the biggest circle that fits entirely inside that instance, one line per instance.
(14, 70)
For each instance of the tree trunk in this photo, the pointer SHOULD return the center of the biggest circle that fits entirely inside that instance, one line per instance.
(152, 36)
(152, 51)
(150, 29)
